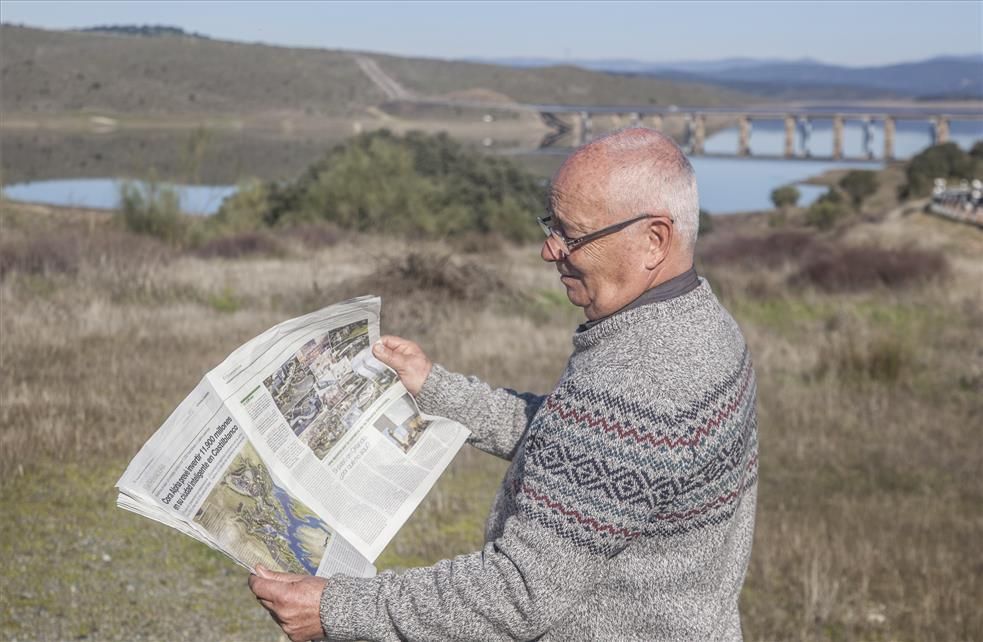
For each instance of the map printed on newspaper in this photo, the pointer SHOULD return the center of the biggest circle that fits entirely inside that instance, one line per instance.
(300, 451)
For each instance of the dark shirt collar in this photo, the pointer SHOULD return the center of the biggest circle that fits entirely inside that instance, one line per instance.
(676, 286)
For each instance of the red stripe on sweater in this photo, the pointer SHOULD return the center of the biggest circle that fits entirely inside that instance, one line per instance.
(623, 431)
(580, 517)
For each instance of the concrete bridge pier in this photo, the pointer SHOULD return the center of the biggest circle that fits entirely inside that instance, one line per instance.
(868, 136)
(805, 132)
(838, 136)
(789, 136)
(586, 127)
(941, 130)
(744, 136)
(889, 126)
(699, 133)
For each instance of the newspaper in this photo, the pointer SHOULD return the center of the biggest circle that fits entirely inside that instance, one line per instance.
(300, 451)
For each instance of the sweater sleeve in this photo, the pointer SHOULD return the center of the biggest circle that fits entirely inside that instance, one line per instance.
(577, 504)
(497, 418)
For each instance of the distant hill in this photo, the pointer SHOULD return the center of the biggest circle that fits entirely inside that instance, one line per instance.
(950, 75)
(68, 71)
(943, 76)
(142, 30)
(629, 65)
(554, 85)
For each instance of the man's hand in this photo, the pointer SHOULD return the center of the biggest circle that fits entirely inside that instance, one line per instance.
(294, 601)
(406, 358)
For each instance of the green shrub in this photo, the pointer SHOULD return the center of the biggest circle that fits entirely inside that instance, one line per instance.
(785, 196)
(859, 184)
(152, 209)
(827, 211)
(244, 211)
(946, 160)
(417, 185)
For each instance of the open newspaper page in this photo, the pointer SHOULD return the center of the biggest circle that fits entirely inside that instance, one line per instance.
(300, 451)
(200, 475)
(328, 416)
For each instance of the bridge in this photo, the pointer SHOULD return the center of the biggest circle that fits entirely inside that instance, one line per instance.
(577, 121)
(575, 124)
(798, 125)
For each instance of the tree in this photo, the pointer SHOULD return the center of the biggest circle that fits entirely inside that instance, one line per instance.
(827, 210)
(785, 196)
(946, 160)
(824, 214)
(418, 185)
(859, 184)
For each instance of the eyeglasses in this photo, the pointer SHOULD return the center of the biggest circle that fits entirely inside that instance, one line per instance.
(566, 245)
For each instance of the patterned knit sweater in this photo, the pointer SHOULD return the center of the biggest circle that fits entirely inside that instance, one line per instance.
(627, 512)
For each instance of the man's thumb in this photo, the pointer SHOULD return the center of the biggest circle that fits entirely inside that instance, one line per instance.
(387, 355)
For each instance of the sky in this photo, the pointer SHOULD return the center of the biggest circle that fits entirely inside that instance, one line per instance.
(846, 33)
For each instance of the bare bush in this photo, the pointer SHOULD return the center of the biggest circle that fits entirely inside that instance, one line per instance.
(240, 245)
(314, 236)
(861, 267)
(67, 251)
(441, 276)
(771, 250)
(58, 253)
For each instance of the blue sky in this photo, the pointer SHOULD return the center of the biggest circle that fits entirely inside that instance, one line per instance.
(851, 33)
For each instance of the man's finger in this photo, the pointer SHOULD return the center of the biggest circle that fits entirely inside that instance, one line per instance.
(265, 589)
(388, 355)
(277, 576)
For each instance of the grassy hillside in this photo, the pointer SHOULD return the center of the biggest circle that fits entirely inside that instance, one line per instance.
(564, 85)
(57, 71)
(49, 72)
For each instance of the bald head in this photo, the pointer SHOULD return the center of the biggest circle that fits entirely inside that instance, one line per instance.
(634, 171)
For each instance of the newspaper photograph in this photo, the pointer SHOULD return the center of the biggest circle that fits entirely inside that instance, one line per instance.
(200, 475)
(301, 451)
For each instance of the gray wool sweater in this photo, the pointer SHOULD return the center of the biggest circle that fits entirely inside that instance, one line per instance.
(627, 512)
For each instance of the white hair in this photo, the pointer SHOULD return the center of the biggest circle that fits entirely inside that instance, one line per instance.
(652, 174)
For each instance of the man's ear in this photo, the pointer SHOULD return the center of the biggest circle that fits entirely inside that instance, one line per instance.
(660, 239)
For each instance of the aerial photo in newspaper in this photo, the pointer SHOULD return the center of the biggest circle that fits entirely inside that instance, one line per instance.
(324, 387)
(249, 514)
(402, 424)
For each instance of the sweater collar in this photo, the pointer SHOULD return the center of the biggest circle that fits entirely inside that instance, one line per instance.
(626, 318)
(676, 286)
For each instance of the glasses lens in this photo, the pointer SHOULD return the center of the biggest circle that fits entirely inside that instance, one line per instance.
(557, 244)
(554, 238)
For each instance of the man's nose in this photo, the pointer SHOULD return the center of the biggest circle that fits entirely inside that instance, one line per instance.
(547, 252)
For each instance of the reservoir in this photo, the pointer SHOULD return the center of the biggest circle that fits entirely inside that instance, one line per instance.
(727, 185)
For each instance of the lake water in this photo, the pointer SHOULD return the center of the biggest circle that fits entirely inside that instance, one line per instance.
(727, 185)
(104, 193)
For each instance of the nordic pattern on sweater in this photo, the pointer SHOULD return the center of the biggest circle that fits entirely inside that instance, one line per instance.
(604, 472)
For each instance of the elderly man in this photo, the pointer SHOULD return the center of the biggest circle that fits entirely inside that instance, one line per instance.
(628, 510)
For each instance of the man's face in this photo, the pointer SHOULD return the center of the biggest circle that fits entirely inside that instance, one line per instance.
(604, 275)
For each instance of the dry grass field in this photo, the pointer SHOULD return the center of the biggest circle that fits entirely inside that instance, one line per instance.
(870, 382)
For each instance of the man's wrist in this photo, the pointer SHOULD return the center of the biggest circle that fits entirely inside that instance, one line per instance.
(348, 607)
